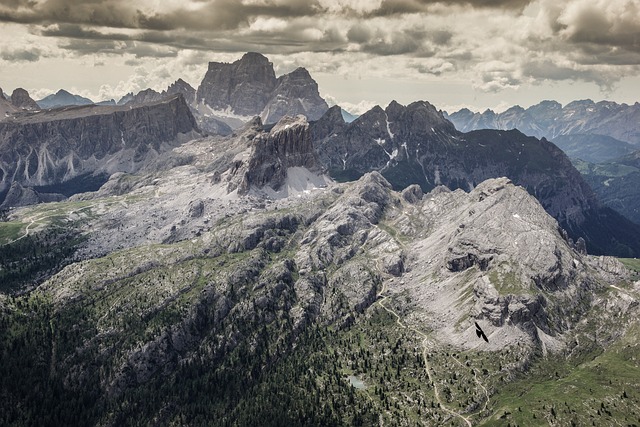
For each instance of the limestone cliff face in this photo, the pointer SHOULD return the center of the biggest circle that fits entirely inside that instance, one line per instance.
(287, 145)
(55, 146)
(244, 85)
(248, 87)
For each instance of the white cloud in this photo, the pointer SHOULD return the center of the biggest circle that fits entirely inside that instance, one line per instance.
(491, 49)
(357, 109)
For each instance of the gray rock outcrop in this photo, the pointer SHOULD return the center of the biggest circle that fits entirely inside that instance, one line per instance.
(417, 145)
(244, 86)
(249, 87)
(184, 88)
(294, 93)
(54, 146)
(286, 145)
(20, 99)
(21, 196)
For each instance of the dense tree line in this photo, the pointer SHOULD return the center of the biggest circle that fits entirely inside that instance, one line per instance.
(33, 258)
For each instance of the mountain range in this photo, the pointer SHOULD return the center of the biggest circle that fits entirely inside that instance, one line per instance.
(62, 98)
(549, 119)
(299, 269)
(601, 134)
(240, 284)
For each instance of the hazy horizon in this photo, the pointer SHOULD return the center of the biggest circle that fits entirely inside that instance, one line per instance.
(452, 53)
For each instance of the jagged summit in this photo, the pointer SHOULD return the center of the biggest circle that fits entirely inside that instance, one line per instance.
(20, 99)
(272, 161)
(7, 109)
(142, 97)
(184, 88)
(419, 117)
(332, 121)
(417, 145)
(549, 119)
(249, 87)
(244, 85)
(295, 93)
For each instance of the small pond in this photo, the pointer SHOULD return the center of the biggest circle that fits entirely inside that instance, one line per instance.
(356, 382)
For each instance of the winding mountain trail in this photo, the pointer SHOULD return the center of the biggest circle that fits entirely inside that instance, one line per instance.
(424, 344)
(484, 389)
(38, 218)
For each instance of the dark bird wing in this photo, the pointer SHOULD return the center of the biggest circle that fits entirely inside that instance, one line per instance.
(480, 333)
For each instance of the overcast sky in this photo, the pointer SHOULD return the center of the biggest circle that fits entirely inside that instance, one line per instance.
(452, 53)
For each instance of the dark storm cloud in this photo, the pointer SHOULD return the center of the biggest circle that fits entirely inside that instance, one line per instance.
(394, 7)
(227, 15)
(107, 13)
(212, 15)
(414, 41)
(14, 4)
(602, 35)
(592, 54)
(395, 44)
(90, 47)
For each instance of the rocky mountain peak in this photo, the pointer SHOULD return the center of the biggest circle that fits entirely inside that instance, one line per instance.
(288, 122)
(254, 60)
(244, 85)
(580, 104)
(63, 98)
(515, 108)
(375, 118)
(418, 118)
(287, 145)
(249, 87)
(331, 121)
(295, 93)
(425, 116)
(394, 110)
(145, 96)
(21, 99)
(546, 105)
(184, 88)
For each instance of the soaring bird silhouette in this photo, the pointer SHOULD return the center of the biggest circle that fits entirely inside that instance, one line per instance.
(480, 332)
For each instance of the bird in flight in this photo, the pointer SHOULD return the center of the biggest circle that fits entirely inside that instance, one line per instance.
(480, 332)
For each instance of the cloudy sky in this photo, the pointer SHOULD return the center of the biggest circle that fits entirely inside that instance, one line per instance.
(453, 53)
